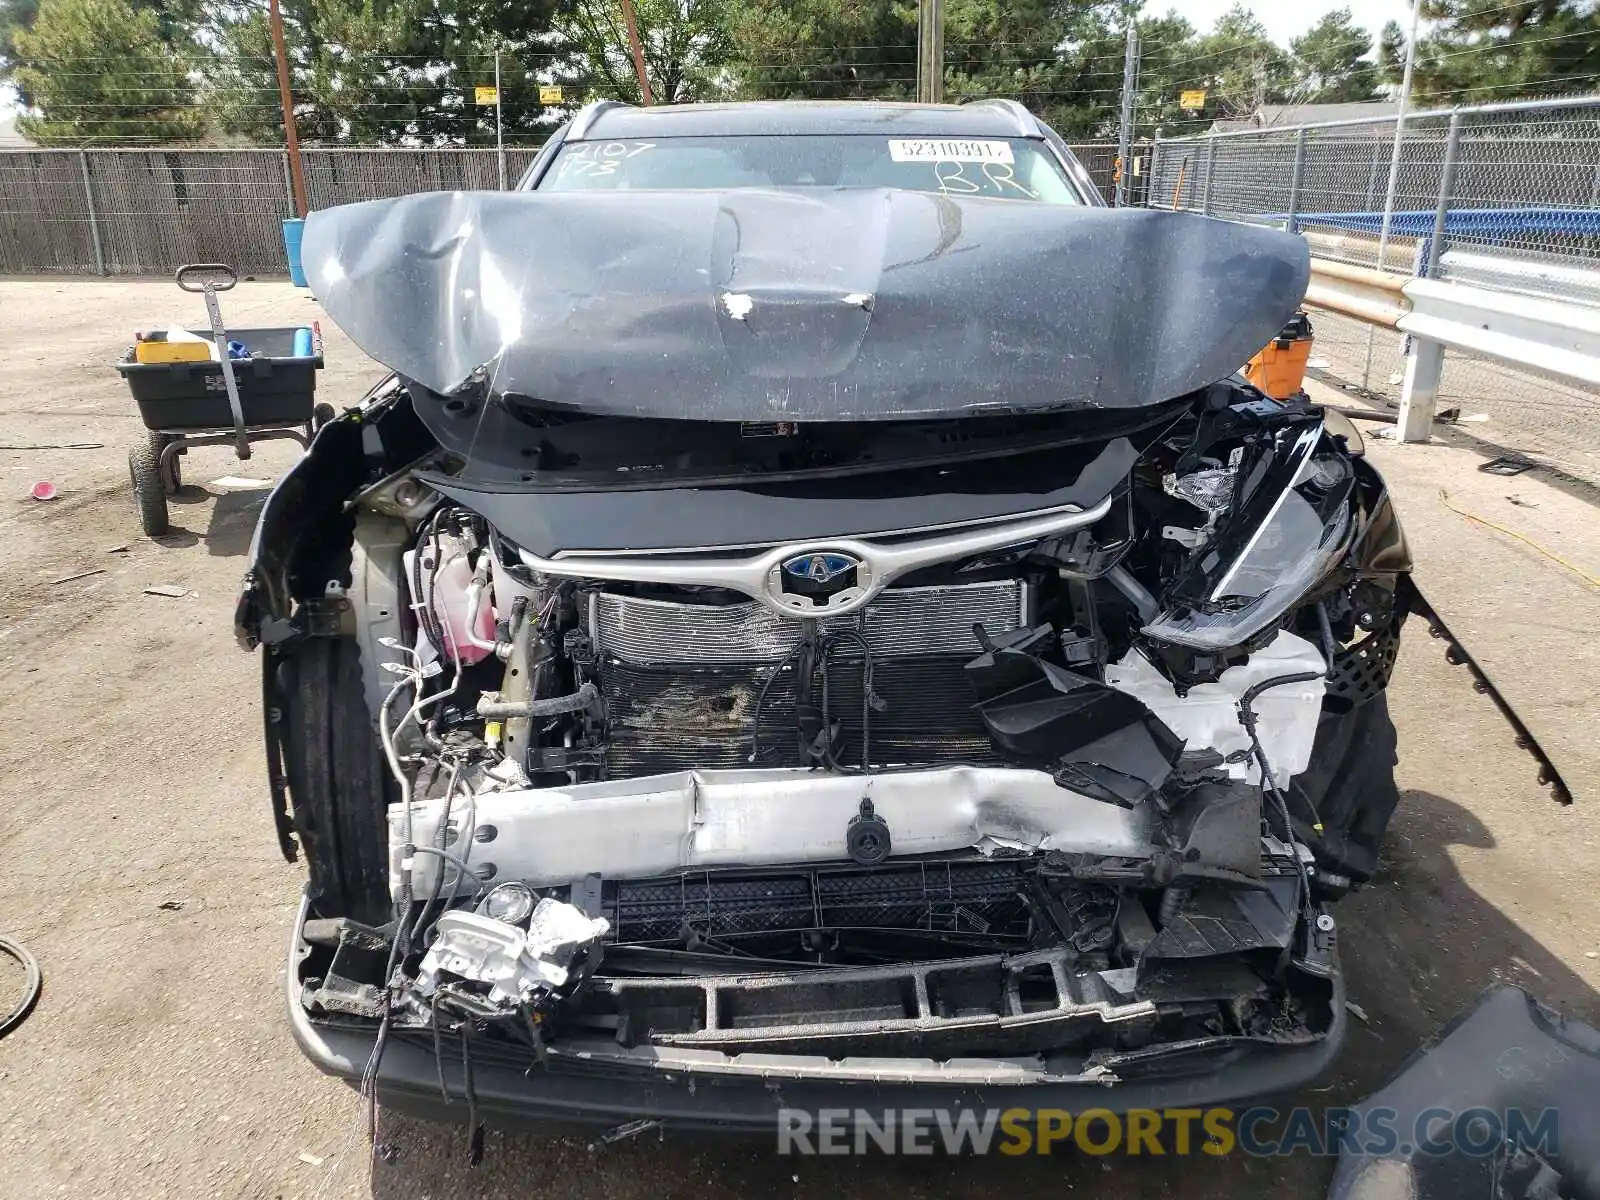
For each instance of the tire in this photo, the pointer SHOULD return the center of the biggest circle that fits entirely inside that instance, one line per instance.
(336, 779)
(172, 477)
(321, 415)
(1350, 786)
(149, 492)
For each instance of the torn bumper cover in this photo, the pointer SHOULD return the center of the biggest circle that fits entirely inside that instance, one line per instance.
(600, 1081)
(1509, 1062)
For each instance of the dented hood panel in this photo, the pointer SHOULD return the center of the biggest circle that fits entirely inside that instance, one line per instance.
(806, 305)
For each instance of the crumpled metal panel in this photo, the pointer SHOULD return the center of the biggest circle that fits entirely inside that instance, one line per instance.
(638, 828)
(798, 305)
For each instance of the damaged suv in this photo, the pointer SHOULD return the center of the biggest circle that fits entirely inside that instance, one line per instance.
(814, 618)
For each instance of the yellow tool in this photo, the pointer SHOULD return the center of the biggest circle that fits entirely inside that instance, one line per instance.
(155, 348)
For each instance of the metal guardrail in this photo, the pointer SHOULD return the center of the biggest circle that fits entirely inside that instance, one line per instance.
(1372, 296)
(1553, 337)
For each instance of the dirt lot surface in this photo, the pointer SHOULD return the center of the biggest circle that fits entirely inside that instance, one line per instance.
(142, 871)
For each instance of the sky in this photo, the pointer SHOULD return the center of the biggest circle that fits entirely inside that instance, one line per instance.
(1285, 19)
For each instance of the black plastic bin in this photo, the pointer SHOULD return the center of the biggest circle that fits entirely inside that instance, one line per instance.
(275, 388)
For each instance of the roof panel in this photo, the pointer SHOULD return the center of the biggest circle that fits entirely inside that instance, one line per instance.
(777, 117)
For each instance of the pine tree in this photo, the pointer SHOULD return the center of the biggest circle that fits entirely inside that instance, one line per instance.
(1480, 51)
(1166, 69)
(1333, 63)
(1062, 60)
(826, 49)
(14, 15)
(1239, 67)
(384, 72)
(98, 72)
(687, 45)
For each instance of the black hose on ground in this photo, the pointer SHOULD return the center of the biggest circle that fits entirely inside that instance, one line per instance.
(31, 989)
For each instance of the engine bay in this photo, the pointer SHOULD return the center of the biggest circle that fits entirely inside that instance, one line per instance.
(1077, 784)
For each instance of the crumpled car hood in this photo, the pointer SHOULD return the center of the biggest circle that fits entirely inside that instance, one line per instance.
(800, 305)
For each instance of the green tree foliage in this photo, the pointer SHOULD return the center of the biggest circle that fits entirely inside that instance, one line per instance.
(384, 71)
(14, 15)
(1333, 62)
(687, 45)
(403, 71)
(1239, 67)
(1166, 69)
(1062, 58)
(1479, 51)
(825, 49)
(99, 72)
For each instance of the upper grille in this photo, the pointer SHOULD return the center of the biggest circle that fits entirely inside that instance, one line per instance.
(900, 622)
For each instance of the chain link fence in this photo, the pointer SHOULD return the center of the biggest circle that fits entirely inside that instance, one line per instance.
(147, 212)
(1505, 195)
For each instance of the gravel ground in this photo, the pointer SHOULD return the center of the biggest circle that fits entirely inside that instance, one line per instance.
(144, 875)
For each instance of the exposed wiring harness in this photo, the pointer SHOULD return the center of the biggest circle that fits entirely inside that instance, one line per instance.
(1248, 719)
(410, 916)
(823, 650)
(830, 643)
(790, 656)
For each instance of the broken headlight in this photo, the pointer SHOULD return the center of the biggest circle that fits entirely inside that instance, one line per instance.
(1267, 554)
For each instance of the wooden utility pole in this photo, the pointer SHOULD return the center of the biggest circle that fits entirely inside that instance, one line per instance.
(1130, 85)
(637, 48)
(291, 136)
(930, 51)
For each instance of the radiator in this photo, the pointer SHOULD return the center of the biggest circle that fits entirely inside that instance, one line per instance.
(682, 682)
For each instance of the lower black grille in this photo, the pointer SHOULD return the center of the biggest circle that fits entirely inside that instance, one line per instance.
(978, 898)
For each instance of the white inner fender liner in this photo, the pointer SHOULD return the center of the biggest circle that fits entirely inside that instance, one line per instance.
(1207, 717)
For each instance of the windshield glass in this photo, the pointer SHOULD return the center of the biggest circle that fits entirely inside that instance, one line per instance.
(998, 168)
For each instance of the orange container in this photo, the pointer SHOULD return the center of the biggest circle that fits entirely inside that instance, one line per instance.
(1279, 369)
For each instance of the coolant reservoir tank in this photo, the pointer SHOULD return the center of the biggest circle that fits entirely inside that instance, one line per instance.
(445, 576)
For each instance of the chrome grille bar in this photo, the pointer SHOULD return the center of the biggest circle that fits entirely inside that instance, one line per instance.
(757, 574)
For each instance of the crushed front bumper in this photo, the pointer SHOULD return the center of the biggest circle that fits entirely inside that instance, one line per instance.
(601, 1083)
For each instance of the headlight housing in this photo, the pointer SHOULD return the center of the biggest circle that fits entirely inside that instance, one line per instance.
(1276, 544)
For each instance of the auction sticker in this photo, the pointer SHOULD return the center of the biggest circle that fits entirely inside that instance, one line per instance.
(979, 150)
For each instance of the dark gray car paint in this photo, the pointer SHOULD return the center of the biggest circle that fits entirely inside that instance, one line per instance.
(1506, 1054)
(800, 305)
(757, 514)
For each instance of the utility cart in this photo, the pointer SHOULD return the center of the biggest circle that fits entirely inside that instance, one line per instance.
(216, 387)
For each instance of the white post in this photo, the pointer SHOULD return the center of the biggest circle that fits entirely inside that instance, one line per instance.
(1394, 165)
(1419, 395)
